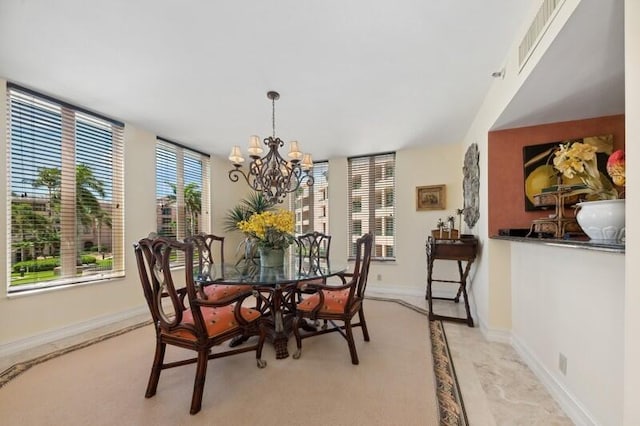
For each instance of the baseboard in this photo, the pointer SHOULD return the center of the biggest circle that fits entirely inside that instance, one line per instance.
(16, 346)
(412, 291)
(395, 291)
(494, 334)
(565, 399)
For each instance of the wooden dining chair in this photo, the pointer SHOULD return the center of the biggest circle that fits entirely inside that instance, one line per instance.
(312, 249)
(185, 317)
(338, 303)
(210, 263)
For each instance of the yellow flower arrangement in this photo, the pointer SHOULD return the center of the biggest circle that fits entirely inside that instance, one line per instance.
(270, 229)
(577, 159)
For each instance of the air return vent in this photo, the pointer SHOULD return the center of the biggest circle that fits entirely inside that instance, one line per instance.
(540, 23)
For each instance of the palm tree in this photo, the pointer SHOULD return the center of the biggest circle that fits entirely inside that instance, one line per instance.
(30, 230)
(254, 203)
(101, 218)
(49, 177)
(87, 204)
(192, 203)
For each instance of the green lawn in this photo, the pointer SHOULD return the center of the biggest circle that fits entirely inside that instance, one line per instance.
(31, 277)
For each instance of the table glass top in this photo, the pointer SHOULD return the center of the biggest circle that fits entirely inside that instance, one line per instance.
(250, 272)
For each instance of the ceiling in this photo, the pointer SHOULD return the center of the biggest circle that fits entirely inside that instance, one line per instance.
(581, 74)
(355, 77)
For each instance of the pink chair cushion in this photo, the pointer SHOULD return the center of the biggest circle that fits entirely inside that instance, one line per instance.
(222, 291)
(217, 320)
(334, 301)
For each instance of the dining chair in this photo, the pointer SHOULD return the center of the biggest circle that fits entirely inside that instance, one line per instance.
(312, 249)
(208, 261)
(338, 302)
(185, 317)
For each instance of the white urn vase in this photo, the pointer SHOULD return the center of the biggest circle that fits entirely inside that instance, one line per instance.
(603, 220)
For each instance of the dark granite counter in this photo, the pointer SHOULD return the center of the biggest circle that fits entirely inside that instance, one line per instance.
(569, 243)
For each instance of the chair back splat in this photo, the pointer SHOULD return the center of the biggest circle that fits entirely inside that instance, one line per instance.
(210, 263)
(331, 302)
(313, 249)
(191, 320)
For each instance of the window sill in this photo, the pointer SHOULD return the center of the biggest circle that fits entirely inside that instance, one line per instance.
(15, 293)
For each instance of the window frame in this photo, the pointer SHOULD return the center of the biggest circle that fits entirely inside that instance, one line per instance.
(371, 201)
(176, 204)
(73, 137)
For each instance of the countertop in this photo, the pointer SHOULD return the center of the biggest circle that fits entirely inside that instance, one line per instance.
(570, 243)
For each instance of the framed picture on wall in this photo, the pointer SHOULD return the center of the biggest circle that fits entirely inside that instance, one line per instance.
(431, 197)
(539, 173)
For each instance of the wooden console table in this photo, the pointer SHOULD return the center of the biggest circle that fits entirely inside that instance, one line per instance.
(459, 250)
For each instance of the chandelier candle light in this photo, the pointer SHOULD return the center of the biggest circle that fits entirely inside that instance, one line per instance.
(272, 175)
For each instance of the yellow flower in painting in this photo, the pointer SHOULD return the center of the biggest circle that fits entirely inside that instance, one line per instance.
(579, 159)
(273, 229)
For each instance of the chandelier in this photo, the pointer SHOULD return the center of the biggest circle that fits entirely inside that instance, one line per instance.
(272, 175)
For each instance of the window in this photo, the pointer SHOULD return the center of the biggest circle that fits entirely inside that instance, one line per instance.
(379, 199)
(388, 197)
(182, 190)
(356, 204)
(378, 228)
(388, 226)
(311, 203)
(372, 202)
(357, 227)
(65, 175)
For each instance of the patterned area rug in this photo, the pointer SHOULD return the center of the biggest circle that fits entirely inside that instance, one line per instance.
(450, 404)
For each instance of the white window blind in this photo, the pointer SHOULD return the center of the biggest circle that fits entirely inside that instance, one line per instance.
(372, 203)
(311, 204)
(65, 175)
(182, 190)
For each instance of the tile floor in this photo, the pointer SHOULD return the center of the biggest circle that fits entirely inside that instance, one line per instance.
(497, 387)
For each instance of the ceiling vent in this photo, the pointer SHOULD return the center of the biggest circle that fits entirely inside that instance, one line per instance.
(538, 27)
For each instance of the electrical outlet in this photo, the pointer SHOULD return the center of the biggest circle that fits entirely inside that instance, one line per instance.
(379, 277)
(562, 363)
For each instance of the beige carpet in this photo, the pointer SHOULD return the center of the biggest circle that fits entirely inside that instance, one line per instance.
(104, 383)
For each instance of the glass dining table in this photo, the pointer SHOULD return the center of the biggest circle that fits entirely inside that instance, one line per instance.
(275, 289)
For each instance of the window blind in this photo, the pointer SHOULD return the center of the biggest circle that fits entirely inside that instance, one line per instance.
(372, 203)
(311, 204)
(65, 177)
(182, 191)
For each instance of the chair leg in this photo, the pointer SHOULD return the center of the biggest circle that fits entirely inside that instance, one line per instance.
(296, 333)
(365, 331)
(352, 344)
(263, 334)
(198, 384)
(156, 368)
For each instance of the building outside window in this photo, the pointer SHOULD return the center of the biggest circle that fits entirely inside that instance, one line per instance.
(311, 203)
(65, 177)
(182, 190)
(372, 202)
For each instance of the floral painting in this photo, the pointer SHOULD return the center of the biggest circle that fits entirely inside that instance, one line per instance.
(540, 172)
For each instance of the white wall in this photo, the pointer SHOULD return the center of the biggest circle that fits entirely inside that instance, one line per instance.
(27, 316)
(632, 295)
(433, 165)
(571, 301)
(505, 293)
(491, 287)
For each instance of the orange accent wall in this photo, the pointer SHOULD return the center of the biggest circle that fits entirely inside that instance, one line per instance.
(506, 171)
